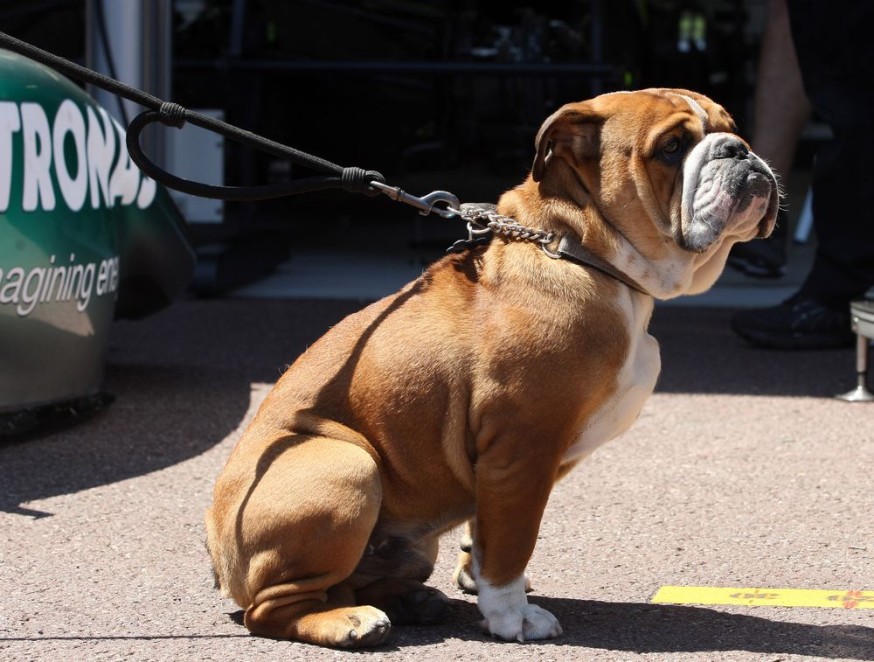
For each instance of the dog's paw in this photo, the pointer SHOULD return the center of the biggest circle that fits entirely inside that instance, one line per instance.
(422, 606)
(368, 626)
(526, 624)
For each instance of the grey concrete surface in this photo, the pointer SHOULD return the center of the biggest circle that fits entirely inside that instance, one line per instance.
(741, 471)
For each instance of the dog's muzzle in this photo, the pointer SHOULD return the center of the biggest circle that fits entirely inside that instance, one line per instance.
(725, 186)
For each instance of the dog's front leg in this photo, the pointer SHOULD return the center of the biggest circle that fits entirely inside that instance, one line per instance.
(510, 503)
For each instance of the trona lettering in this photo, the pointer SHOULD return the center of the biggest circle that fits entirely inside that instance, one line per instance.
(77, 157)
(58, 282)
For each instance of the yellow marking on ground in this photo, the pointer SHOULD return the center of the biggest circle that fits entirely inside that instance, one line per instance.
(764, 597)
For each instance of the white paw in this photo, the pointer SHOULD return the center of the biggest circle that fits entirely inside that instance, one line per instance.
(527, 623)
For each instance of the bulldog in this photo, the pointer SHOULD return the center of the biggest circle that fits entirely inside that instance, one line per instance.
(465, 396)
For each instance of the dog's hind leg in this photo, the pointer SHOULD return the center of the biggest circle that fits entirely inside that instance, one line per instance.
(300, 526)
(289, 611)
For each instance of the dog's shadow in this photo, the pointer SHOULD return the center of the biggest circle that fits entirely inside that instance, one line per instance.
(641, 628)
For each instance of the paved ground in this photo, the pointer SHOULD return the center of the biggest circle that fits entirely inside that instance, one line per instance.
(742, 471)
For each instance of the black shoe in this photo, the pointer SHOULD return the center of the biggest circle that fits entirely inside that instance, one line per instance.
(762, 258)
(798, 323)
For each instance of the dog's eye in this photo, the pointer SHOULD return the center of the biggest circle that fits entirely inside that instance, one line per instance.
(671, 151)
(673, 146)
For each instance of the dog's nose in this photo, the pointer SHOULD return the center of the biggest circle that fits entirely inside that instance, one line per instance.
(731, 148)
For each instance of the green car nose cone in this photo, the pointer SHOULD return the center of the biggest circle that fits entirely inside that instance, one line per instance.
(84, 238)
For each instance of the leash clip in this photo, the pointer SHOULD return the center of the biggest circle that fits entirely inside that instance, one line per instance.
(426, 204)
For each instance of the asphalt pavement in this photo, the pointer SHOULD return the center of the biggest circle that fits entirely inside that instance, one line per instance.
(742, 471)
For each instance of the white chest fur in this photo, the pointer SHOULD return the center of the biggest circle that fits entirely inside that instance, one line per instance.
(635, 382)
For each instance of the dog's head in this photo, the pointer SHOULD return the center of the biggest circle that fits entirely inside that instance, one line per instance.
(663, 168)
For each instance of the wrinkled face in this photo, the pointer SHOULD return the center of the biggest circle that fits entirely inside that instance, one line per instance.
(660, 166)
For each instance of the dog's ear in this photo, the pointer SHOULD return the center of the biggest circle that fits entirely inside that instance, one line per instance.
(573, 131)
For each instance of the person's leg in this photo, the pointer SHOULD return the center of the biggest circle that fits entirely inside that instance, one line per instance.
(780, 111)
(780, 105)
(843, 217)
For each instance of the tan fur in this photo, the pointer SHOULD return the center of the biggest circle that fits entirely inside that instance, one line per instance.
(465, 396)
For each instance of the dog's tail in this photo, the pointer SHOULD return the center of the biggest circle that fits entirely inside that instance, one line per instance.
(222, 567)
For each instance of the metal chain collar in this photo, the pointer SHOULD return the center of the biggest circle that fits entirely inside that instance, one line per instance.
(481, 222)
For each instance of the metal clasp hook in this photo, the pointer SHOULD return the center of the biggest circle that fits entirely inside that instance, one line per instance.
(426, 203)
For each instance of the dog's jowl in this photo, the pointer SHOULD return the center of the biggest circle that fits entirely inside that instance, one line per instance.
(464, 397)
